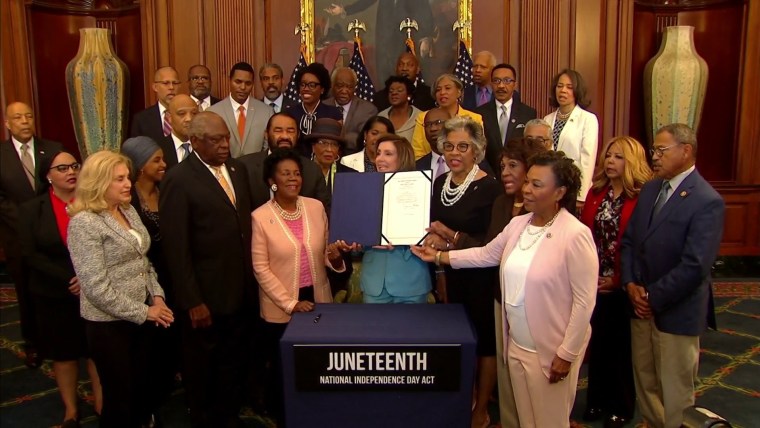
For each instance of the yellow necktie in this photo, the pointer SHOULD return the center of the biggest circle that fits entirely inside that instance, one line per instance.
(223, 182)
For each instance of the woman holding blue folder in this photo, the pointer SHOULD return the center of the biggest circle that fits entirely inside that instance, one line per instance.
(392, 274)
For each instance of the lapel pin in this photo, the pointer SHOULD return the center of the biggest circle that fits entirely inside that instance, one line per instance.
(549, 235)
(232, 168)
(684, 193)
(271, 221)
(42, 152)
(513, 121)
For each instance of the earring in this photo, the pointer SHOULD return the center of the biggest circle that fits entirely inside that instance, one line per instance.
(50, 181)
(273, 187)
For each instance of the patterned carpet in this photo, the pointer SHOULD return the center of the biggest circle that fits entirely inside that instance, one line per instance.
(729, 371)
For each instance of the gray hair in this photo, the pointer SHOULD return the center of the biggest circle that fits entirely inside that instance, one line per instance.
(490, 55)
(539, 122)
(682, 133)
(335, 71)
(200, 123)
(474, 129)
(270, 65)
(453, 78)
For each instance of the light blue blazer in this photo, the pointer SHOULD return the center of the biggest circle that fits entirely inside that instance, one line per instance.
(399, 271)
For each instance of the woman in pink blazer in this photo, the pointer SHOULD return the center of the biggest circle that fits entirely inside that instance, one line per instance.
(548, 270)
(290, 253)
(620, 173)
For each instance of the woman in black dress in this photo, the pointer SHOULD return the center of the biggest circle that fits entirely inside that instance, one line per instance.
(462, 202)
(55, 288)
(148, 169)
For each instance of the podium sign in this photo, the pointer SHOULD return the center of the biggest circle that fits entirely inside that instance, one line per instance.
(378, 366)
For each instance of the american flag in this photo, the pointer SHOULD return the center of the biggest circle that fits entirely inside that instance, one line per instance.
(463, 68)
(292, 92)
(364, 87)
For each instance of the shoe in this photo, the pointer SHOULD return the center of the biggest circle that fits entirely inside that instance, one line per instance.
(70, 423)
(592, 414)
(32, 359)
(615, 421)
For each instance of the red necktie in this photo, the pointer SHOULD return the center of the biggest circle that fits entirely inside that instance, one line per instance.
(241, 123)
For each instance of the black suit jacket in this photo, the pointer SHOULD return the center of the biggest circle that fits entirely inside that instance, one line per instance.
(207, 239)
(148, 123)
(45, 253)
(426, 162)
(422, 98)
(313, 185)
(15, 188)
(518, 117)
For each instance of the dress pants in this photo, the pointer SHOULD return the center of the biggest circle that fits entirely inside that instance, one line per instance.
(213, 375)
(20, 277)
(540, 403)
(120, 352)
(665, 371)
(507, 406)
(610, 371)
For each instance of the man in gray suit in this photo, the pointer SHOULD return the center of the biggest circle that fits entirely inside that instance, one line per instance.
(356, 111)
(245, 116)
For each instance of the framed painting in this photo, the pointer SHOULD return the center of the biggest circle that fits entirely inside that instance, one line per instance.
(328, 40)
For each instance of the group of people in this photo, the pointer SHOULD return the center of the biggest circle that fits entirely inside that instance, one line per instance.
(189, 251)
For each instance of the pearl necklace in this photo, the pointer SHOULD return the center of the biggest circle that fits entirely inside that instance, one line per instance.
(563, 116)
(538, 234)
(451, 196)
(287, 215)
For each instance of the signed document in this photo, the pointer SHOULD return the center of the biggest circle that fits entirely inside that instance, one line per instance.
(406, 207)
(374, 208)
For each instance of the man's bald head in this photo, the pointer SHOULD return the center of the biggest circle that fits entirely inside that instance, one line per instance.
(182, 109)
(19, 119)
(166, 83)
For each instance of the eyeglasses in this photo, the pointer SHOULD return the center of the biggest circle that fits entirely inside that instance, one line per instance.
(168, 82)
(200, 78)
(328, 143)
(310, 85)
(659, 151)
(539, 140)
(438, 122)
(461, 147)
(506, 81)
(64, 168)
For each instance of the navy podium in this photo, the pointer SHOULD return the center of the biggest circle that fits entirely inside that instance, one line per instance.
(378, 366)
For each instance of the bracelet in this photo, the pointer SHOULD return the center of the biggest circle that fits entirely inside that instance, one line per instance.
(438, 258)
(455, 236)
(437, 271)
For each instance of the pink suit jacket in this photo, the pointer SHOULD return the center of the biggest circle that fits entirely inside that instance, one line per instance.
(277, 258)
(560, 289)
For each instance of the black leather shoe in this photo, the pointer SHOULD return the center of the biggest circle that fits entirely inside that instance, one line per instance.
(32, 359)
(592, 414)
(70, 423)
(615, 421)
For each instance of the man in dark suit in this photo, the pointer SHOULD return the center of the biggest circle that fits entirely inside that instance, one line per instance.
(408, 66)
(668, 249)
(504, 118)
(356, 111)
(205, 211)
(19, 182)
(270, 79)
(282, 132)
(177, 147)
(199, 83)
(481, 92)
(152, 122)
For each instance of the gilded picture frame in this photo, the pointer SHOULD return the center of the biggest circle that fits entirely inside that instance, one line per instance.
(325, 36)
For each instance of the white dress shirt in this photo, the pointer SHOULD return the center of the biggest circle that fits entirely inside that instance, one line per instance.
(225, 173)
(179, 149)
(277, 103)
(677, 180)
(236, 105)
(345, 108)
(206, 103)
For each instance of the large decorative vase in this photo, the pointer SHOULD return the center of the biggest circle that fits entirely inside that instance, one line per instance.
(98, 86)
(675, 82)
